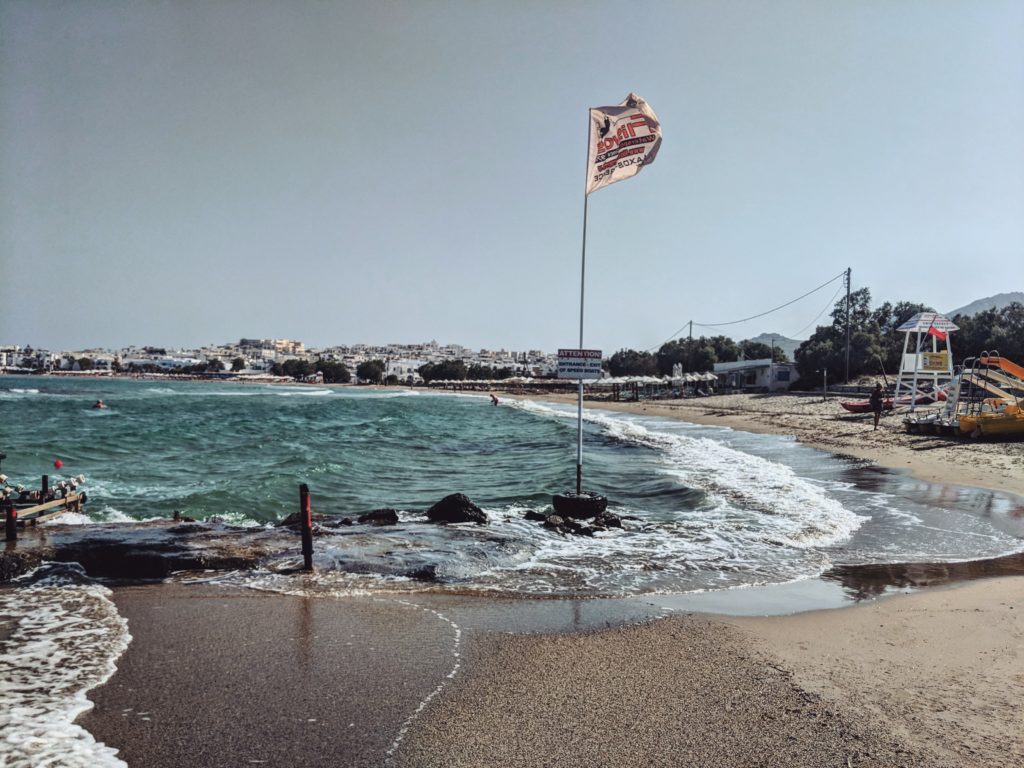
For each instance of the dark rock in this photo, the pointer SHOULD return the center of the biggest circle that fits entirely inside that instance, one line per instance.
(186, 529)
(607, 520)
(380, 517)
(180, 518)
(424, 573)
(532, 514)
(579, 505)
(14, 563)
(346, 521)
(456, 508)
(294, 520)
(568, 526)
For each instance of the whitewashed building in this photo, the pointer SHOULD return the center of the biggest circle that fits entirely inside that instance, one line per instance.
(755, 376)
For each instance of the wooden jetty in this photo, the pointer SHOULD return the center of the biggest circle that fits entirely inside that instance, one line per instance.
(39, 513)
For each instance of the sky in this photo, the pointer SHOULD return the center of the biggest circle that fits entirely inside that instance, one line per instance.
(180, 174)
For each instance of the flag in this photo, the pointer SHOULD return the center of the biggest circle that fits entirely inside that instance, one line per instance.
(933, 331)
(623, 139)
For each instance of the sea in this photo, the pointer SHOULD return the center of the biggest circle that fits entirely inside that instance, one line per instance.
(704, 509)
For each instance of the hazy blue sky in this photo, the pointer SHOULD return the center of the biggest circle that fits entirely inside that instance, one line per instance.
(181, 173)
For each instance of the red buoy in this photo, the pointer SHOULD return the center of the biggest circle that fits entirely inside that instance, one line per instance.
(57, 463)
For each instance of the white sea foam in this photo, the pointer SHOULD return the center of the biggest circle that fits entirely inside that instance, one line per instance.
(791, 510)
(376, 394)
(63, 639)
(301, 392)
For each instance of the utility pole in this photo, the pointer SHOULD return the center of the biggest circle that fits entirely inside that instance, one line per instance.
(689, 351)
(848, 270)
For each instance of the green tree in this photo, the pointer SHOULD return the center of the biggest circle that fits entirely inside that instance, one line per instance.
(993, 330)
(445, 370)
(371, 370)
(695, 355)
(238, 364)
(334, 373)
(85, 363)
(755, 350)
(726, 350)
(629, 362)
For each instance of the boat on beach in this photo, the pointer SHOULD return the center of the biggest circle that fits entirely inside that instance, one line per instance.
(890, 403)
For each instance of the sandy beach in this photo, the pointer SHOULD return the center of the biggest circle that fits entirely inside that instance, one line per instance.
(220, 677)
(225, 677)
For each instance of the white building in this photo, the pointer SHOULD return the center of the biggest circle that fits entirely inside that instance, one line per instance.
(756, 375)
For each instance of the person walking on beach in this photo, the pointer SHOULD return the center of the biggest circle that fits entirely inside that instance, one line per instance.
(876, 402)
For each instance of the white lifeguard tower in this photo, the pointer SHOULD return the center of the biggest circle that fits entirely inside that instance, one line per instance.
(919, 365)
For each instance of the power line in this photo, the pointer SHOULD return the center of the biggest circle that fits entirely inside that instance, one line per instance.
(752, 317)
(830, 302)
(776, 309)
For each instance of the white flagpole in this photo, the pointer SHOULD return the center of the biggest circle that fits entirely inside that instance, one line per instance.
(583, 272)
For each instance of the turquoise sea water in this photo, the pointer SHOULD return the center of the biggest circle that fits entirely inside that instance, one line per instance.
(709, 507)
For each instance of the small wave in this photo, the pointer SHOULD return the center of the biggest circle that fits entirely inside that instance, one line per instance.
(300, 392)
(65, 638)
(378, 395)
(792, 511)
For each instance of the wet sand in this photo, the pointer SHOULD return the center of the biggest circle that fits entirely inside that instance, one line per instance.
(221, 677)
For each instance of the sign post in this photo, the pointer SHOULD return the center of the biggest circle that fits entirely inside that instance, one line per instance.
(579, 364)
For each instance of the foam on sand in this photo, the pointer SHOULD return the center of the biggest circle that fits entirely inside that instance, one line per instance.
(61, 637)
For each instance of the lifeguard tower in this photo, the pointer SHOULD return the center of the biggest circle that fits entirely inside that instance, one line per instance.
(919, 365)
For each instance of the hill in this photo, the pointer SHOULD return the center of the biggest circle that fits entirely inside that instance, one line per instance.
(998, 301)
(787, 345)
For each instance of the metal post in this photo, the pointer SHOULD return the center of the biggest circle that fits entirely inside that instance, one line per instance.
(847, 379)
(579, 390)
(689, 350)
(306, 527)
(44, 489)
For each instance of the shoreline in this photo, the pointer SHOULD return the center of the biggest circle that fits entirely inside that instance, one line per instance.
(995, 466)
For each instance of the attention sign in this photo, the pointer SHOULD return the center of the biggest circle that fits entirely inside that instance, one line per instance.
(934, 361)
(579, 363)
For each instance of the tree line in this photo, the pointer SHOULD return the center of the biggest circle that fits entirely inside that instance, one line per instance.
(875, 344)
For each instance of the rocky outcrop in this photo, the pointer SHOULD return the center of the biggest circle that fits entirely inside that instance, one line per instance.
(579, 505)
(570, 526)
(380, 517)
(456, 508)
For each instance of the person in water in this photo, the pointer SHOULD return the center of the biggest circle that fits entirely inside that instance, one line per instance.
(100, 404)
(494, 400)
(876, 402)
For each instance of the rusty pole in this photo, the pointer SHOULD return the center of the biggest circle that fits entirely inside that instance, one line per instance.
(306, 527)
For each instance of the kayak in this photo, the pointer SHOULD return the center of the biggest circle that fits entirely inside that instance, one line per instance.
(864, 406)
